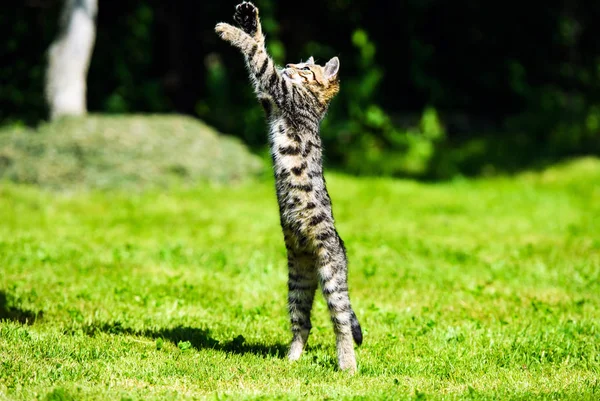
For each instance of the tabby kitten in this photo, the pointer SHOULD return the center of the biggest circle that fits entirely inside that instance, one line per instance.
(295, 100)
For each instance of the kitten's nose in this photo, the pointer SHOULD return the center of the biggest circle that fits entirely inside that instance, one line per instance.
(288, 66)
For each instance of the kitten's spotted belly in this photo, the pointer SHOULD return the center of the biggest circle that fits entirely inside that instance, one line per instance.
(304, 217)
(304, 204)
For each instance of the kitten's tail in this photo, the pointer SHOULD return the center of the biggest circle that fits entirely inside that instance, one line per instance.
(356, 330)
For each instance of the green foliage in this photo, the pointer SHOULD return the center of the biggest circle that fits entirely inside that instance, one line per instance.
(569, 121)
(24, 45)
(485, 289)
(129, 65)
(374, 145)
(133, 151)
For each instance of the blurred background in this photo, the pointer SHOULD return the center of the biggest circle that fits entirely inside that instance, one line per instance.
(430, 89)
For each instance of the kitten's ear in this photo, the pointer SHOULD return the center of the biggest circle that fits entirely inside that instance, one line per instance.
(331, 68)
(311, 60)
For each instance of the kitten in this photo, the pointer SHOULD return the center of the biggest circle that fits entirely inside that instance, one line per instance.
(295, 100)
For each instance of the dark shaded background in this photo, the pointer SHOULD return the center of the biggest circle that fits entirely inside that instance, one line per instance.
(430, 88)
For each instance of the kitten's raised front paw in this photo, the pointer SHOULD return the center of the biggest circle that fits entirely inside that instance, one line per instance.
(225, 31)
(246, 15)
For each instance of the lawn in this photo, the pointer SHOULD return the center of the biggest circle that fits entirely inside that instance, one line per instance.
(470, 289)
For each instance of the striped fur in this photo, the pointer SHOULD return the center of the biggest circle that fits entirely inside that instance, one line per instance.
(295, 100)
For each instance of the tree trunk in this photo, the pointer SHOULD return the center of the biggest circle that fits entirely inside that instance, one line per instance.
(69, 59)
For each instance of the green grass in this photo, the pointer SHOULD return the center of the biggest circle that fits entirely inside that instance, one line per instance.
(483, 289)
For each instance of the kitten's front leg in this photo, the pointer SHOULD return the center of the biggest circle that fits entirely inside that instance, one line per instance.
(263, 71)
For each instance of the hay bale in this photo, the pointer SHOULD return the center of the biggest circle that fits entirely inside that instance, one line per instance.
(123, 152)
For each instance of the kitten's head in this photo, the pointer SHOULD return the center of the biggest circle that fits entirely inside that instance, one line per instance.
(321, 80)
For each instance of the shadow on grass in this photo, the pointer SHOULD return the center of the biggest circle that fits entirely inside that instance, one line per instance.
(22, 316)
(197, 338)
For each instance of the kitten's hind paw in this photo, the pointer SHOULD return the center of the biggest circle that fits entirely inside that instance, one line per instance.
(246, 15)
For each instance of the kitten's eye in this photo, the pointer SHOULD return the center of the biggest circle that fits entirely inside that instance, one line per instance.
(305, 69)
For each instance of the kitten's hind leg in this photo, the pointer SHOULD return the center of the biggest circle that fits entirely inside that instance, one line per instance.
(333, 276)
(302, 284)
